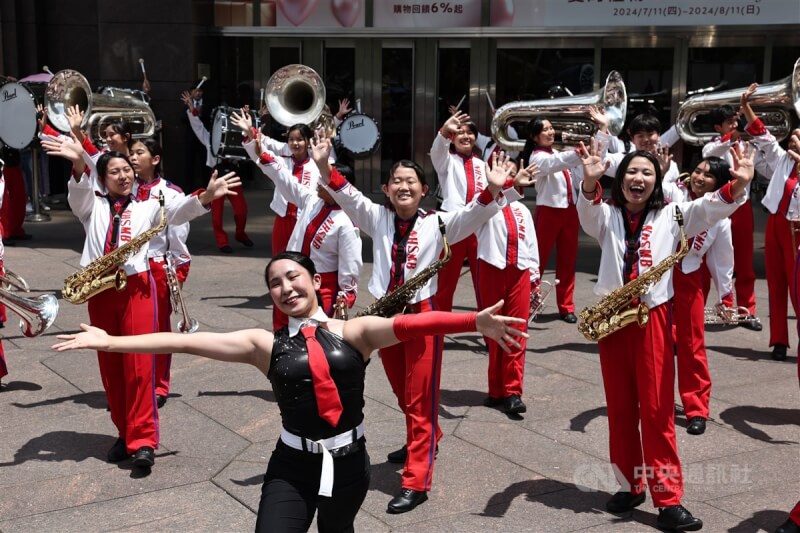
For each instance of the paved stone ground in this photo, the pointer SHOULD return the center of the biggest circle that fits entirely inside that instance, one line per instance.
(533, 473)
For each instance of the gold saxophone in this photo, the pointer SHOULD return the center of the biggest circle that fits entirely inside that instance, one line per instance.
(613, 312)
(106, 271)
(396, 301)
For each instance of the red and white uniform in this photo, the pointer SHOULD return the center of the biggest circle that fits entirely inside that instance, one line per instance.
(172, 240)
(400, 250)
(306, 173)
(556, 219)
(323, 232)
(238, 203)
(617, 145)
(782, 235)
(3, 365)
(637, 363)
(461, 179)
(127, 378)
(508, 266)
(742, 226)
(671, 176)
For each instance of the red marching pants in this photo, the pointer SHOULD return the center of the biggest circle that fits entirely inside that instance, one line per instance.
(13, 212)
(794, 516)
(239, 205)
(513, 285)
(694, 379)
(3, 365)
(449, 274)
(164, 310)
(779, 255)
(742, 228)
(414, 369)
(559, 227)
(282, 230)
(128, 378)
(638, 378)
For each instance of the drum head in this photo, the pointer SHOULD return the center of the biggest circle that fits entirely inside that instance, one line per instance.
(17, 115)
(359, 135)
(218, 128)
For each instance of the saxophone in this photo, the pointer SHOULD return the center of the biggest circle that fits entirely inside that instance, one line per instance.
(396, 301)
(106, 271)
(613, 312)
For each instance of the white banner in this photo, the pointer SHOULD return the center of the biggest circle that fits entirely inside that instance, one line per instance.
(588, 13)
(426, 14)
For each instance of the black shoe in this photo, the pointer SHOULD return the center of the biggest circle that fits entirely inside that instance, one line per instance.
(569, 318)
(161, 399)
(491, 401)
(398, 456)
(514, 405)
(226, 249)
(624, 501)
(752, 324)
(144, 457)
(22, 237)
(246, 241)
(677, 518)
(697, 425)
(779, 352)
(406, 501)
(788, 527)
(118, 452)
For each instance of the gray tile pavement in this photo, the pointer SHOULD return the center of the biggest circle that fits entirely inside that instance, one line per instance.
(540, 472)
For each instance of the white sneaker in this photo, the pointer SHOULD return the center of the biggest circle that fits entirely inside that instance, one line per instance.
(28, 207)
(43, 206)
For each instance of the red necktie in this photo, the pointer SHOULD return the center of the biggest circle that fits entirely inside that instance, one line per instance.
(328, 403)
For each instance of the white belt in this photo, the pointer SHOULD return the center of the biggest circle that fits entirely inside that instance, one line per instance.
(323, 446)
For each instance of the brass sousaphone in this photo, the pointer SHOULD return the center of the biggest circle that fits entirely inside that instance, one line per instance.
(295, 94)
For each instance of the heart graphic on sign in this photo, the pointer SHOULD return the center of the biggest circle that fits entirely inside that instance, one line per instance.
(297, 11)
(502, 12)
(346, 11)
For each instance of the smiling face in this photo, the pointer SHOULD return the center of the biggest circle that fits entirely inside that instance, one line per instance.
(405, 191)
(638, 183)
(292, 288)
(464, 140)
(298, 145)
(115, 141)
(118, 178)
(702, 180)
(646, 141)
(547, 137)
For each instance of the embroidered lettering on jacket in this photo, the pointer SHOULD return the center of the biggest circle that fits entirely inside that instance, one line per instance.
(699, 240)
(520, 218)
(322, 232)
(412, 250)
(645, 252)
(125, 226)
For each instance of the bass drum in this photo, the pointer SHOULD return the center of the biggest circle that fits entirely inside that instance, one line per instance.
(17, 115)
(226, 138)
(358, 135)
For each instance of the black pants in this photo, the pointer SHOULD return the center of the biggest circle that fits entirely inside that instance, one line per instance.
(289, 496)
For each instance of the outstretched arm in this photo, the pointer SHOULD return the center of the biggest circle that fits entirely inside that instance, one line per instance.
(251, 346)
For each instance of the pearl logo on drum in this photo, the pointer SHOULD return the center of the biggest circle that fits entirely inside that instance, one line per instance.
(9, 95)
(351, 125)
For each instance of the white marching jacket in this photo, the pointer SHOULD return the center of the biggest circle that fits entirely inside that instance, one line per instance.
(659, 237)
(203, 136)
(493, 240)
(452, 176)
(671, 175)
(781, 165)
(93, 210)
(424, 243)
(173, 238)
(336, 246)
(551, 180)
(309, 178)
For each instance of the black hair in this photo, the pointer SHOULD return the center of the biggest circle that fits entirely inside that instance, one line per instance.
(407, 163)
(721, 114)
(532, 130)
(656, 200)
(719, 168)
(304, 130)
(301, 259)
(154, 148)
(105, 159)
(644, 123)
(123, 128)
(345, 171)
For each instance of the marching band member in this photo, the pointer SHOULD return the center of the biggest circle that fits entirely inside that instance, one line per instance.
(688, 280)
(406, 241)
(112, 218)
(636, 232)
(3, 365)
(317, 367)
(508, 268)
(295, 153)
(724, 120)
(462, 177)
(238, 201)
(146, 162)
(323, 232)
(780, 237)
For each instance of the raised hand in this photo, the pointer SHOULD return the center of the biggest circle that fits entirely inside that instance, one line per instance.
(593, 165)
(344, 108)
(62, 147)
(91, 338)
(186, 98)
(500, 328)
(743, 168)
(321, 148)
(41, 116)
(747, 94)
(600, 118)
(664, 157)
(219, 187)
(452, 124)
(243, 120)
(526, 176)
(500, 172)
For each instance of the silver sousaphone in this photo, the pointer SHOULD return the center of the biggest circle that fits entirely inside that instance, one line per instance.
(295, 94)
